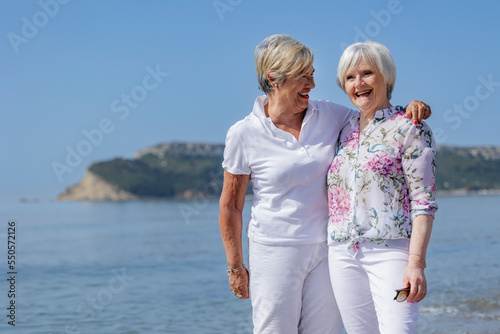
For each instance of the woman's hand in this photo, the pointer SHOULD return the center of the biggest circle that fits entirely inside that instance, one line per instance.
(414, 276)
(238, 282)
(418, 110)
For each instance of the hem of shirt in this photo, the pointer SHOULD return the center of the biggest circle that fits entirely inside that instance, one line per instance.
(370, 240)
(235, 171)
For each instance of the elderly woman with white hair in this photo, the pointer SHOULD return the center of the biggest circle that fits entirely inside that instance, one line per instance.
(284, 147)
(381, 201)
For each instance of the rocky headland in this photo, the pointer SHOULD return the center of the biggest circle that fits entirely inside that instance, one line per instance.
(186, 170)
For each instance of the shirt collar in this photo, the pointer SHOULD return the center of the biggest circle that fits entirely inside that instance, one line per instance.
(381, 114)
(258, 106)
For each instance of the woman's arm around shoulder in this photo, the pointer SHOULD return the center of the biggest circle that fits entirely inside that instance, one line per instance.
(338, 113)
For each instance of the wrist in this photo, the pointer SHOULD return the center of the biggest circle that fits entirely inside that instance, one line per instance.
(417, 260)
(232, 270)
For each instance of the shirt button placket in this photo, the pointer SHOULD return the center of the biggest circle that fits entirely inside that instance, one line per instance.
(303, 152)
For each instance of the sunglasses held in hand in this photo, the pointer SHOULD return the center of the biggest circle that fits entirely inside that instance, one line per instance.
(402, 294)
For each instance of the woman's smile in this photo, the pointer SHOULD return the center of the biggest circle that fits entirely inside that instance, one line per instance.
(366, 88)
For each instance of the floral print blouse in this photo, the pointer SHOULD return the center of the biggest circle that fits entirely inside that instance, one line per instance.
(380, 181)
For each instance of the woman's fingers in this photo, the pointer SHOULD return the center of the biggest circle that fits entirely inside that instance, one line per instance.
(416, 278)
(417, 293)
(418, 110)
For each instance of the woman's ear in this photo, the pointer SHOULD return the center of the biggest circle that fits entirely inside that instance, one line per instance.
(271, 80)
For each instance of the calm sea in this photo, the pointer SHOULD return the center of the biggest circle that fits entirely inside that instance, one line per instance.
(159, 267)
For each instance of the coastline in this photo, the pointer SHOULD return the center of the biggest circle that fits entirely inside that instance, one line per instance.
(451, 192)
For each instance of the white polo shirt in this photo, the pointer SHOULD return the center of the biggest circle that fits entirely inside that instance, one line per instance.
(288, 176)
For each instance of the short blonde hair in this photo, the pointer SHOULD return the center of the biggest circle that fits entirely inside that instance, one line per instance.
(375, 54)
(283, 57)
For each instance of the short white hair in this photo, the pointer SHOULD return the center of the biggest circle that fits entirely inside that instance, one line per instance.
(375, 54)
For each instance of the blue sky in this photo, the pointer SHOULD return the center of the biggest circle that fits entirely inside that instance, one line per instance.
(104, 79)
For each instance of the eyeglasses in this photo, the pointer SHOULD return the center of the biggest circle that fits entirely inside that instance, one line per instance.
(402, 294)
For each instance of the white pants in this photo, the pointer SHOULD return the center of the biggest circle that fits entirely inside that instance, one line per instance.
(365, 285)
(290, 290)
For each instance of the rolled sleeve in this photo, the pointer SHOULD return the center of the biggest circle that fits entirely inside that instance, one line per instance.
(419, 165)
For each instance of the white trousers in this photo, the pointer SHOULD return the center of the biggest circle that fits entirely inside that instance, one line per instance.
(290, 290)
(365, 285)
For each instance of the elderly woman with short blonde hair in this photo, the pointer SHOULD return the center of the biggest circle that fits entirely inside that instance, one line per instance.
(284, 147)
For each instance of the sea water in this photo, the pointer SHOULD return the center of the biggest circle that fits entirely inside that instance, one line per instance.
(159, 267)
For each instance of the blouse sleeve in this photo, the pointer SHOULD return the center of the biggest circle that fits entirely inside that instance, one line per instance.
(418, 161)
(235, 161)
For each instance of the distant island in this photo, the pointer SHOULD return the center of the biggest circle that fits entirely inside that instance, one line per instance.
(186, 170)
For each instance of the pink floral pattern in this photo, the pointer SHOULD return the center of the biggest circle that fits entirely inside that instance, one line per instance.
(339, 204)
(381, 180)
(383, 165)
